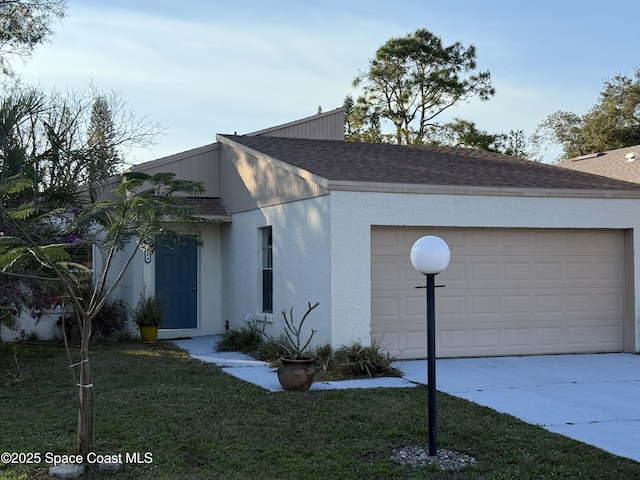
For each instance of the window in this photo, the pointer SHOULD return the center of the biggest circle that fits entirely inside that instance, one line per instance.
(82, 253)
(267, 270)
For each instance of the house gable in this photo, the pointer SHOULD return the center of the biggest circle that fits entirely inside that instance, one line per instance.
(199, 164)
(622, 163)
(323, 126)
(254, 180)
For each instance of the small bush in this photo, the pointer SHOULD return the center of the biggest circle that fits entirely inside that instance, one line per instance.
(246, 339)
(110, 320)
(270, 350)
(358, 361)
(107, 325)
(324, 360)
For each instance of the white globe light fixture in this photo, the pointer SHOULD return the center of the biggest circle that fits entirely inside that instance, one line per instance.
(430, 255)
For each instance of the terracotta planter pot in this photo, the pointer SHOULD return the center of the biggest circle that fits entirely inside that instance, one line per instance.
(296, 375)
(148, 334)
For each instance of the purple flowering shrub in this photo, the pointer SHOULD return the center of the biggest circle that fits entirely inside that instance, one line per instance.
(21, 295)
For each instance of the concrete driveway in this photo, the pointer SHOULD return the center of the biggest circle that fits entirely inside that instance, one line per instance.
(591, 398)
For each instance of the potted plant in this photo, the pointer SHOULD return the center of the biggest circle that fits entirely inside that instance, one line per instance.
(148, 317)
(297, 369)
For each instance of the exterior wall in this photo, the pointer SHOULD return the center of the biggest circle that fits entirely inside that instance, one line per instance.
(324, 126)
(200, 165)
(301, 259)
(44, 328)
(353, 214)
(131, 285)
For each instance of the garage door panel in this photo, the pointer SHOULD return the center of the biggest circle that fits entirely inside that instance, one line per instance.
(609, 335)
(507, 292)
(516, 271)
(484, 304)
(452, 339)
(517, 337)
(485, 272)
(517, 304)
(451, 306)
(608, 302)
(485, 337)
(386, 271)
(608, 270)
(580, 336)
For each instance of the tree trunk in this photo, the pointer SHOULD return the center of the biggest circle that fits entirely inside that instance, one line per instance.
(86, 408)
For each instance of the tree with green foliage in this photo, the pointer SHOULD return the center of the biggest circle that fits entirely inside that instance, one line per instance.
(17, 110)
(103, 157)
(413, 79)
(464, 133)
(145, 208)
(613, 122)
(361, 125)
(63, 141)
(24, 24)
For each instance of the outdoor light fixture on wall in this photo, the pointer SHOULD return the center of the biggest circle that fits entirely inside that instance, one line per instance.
(430, 255)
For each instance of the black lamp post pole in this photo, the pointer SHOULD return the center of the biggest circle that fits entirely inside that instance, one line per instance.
(431, 364)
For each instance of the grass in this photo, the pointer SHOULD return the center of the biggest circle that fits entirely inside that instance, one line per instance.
(200, 423)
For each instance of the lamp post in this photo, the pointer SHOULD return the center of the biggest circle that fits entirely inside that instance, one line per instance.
(430, 255)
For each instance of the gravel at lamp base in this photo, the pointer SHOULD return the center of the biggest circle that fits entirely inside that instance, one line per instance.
(445, 459)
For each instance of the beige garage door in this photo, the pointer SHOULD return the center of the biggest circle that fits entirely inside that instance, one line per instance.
(507, 292)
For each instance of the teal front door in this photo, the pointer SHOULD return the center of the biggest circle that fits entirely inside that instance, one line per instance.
(177, 283)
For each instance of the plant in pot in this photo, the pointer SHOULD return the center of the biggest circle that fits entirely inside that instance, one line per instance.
(297, 369)
(148, 317)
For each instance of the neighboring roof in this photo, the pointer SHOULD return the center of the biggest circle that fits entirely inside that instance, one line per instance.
(208, 207)
(623, 163)
(386, 163)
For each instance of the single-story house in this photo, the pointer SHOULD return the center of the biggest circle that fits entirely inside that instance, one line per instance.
(621, 163)
(542, 258)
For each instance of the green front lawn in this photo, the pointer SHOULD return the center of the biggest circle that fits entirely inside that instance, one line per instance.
(197, 422)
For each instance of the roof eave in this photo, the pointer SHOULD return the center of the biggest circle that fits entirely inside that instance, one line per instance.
(351, 186)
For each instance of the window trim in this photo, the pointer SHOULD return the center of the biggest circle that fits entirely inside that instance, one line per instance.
(266, 277)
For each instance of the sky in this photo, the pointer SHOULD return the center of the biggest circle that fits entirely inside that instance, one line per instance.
(201, 67)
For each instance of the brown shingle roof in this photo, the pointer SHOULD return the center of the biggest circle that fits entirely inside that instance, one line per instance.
(207, 206)
(385, 163)
(612, 164)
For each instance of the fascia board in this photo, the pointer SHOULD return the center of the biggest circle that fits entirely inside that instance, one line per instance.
(341, 185)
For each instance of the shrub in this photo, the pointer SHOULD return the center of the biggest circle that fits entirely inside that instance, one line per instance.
(246, 339)
(271, 350)
(110, 320)
(324, 360)
(109, 323)
(358, 361)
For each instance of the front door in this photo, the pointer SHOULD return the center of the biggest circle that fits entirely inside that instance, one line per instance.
(177, 283)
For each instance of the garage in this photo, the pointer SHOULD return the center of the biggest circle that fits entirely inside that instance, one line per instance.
(505, 292)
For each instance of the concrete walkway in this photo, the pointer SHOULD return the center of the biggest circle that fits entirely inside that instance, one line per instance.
(260, 373)
(591, 398)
